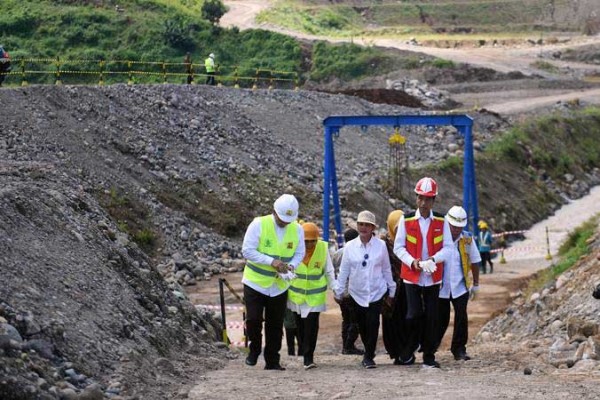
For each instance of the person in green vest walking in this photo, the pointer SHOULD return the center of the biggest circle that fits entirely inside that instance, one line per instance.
(209, 64)
(273, 247)
(307, 295)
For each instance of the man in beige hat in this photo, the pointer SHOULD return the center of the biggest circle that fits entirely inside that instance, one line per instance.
(273, 246)
(365, 270)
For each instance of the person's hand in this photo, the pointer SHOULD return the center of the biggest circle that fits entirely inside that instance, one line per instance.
(473, 290)
(415, 265)
(280, 266)
(428, 266)
(389, 301)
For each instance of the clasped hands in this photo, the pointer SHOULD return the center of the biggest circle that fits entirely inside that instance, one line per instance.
(281, 266)
(428, 265)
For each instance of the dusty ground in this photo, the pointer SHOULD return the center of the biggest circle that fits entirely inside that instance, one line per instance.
(493, 373)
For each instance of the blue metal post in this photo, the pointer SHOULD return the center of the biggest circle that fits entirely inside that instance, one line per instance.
(473, 182)
(327, 180)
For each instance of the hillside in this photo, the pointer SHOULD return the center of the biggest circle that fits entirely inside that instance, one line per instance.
(90, 176)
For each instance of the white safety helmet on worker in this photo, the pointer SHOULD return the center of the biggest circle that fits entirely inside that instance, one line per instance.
(211, 55)
(286, 207)
(457, 216)
(426, 187)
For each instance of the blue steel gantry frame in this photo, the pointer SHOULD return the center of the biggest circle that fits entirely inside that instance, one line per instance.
(464, 125)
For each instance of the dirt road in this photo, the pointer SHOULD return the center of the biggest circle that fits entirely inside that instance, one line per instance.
(504, 59)
(491, 374)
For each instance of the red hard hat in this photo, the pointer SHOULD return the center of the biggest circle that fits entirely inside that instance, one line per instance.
(426, 187)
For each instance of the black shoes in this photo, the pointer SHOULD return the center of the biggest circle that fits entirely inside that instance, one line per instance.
(275, 367)
(462, 356)
(367, 363)
(251, 360)
(409, 361)
(431, 364)
(354, 351)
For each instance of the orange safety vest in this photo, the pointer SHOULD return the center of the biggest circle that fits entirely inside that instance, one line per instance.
(414, 245)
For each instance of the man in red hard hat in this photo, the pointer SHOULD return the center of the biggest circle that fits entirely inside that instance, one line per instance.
(420, 236)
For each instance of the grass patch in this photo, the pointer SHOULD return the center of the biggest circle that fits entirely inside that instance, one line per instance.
(131, 217)
(545, 66)
(570, 251)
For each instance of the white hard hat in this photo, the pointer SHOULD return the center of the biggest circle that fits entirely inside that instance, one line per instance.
(286, 207)
(457, 216)
(211, 55)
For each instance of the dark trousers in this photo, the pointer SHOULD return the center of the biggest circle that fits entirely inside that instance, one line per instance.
(422, 315)
(349, 325)
(368, 325)
(291, 335)
(308, 331)
(210, 78)
(393, 323)
(460, 335)
(273, 309)
(486, 257)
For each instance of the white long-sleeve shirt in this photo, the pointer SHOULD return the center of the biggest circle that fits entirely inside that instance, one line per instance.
(453, 282)
(250, 252)
(425, 279)
(366, 284)
(304, 309)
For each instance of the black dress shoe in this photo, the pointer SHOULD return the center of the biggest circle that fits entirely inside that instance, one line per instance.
(462, 356)
(276, 367)
(368, 363)
(354, 351)
(251, 360)
(431, 364)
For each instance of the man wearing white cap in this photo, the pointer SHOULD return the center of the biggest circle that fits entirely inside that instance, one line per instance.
(273, 246)
(457, 286)
(366, 272)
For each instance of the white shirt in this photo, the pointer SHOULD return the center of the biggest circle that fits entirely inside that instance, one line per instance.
(425, 279)
(250, 253)
(366, 284)
(453, 283)
(304, 309)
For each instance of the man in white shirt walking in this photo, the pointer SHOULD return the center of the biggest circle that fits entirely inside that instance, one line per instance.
(366, 272)
(273, 246)
(420, 236)
(457, 286)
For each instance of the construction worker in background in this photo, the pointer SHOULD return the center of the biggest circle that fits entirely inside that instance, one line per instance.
(273, 247)
(209, 64)
(420, 236)
(457, 286)
(189, 68)
(4, 64)
(349, 324)
(366, 272)
(485, 246)
(393, 321)
(307, 295)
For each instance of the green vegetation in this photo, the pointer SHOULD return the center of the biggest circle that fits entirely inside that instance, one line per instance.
(558, 144)
(545, 66)
(76, 35)
(570, 251)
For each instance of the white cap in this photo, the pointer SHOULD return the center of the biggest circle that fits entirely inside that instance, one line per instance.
(211, 55)
(286, 207)
(457, 216)
(367, 217)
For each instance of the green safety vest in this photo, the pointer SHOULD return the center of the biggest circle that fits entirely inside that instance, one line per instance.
(265, 275)
(310, 284)
(209, 64)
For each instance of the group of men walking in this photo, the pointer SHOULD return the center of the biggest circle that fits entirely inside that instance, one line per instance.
(424, 263)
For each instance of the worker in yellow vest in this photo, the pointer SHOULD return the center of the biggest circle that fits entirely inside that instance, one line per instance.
(307, 295)
(273, 247)
(209, 64)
